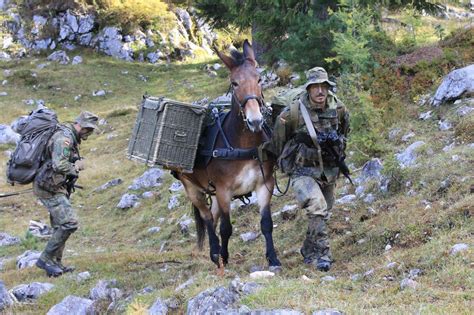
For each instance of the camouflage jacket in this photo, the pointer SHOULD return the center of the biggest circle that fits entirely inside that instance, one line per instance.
(302, 157)
(61, 153)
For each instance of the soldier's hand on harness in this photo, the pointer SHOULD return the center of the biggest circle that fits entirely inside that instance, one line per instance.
(79, 165)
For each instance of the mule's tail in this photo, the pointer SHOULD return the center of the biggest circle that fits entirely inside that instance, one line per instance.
(200, 227)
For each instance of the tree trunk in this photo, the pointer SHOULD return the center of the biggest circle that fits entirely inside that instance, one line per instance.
(258, 46)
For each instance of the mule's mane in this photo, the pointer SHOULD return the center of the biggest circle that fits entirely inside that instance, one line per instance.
(237, 57)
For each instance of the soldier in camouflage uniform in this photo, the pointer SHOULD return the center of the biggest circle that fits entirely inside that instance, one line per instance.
(297, 156)
(54, 183)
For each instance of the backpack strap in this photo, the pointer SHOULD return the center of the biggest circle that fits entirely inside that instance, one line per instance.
(294, 115)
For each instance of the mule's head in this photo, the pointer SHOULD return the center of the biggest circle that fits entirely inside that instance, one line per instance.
(245, 80)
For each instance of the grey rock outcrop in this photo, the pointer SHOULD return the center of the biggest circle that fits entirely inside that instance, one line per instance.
(408, 283)
(5, 299)
(128, 201)
(454, 85)
(73, 305)
(173, 202)
(8, 136)
(249, 236)
(105, 290)
(408, 157)
(461, 247)
(8, 240)
(151, 178)
(59, 56)
(327, 312)
(346, 199)
(110, 42)
(110, 183)
(27, 259)
(185, 224)
(212, 300)
(31, 291)
(76, 60)
(39, 229)
(159, 307)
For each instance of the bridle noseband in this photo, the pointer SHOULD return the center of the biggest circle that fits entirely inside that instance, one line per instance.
(247, 98)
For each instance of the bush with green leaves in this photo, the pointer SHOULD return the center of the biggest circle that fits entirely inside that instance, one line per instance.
(365, 120)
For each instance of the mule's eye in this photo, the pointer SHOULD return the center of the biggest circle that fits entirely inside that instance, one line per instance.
(235, 84)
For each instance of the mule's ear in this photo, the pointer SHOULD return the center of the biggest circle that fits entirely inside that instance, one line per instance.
(229, 62)
(248, 52)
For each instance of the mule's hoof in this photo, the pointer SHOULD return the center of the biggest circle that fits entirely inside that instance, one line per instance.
(275, 269)
(216, 259)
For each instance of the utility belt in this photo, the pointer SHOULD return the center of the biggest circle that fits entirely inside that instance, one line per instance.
(49, 180)
(308, 157)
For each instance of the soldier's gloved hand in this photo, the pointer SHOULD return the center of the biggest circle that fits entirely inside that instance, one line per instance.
(79, 165)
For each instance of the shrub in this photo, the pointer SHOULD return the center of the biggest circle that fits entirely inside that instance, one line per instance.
(134, 14)
(365, 120)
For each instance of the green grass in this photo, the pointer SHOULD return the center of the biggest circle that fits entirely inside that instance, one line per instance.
(113, 243)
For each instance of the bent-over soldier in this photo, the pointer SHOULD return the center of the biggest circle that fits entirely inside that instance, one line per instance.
(54, 184)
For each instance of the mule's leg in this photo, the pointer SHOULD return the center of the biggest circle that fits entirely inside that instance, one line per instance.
(223, 200)
(204, 219)
(266, 224)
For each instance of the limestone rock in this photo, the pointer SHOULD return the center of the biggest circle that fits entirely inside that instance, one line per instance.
(5, 299)
(408, 284)
(59, 56)
(212, 300)
(39, 229)
(327, 312)
(261, 274)
(151, 178)
(249, 236)
(185, 224)
(158, 308)
(346, 199)
(86, 24)
(154, 230)
(27, 259)
(73, 305)
(128, 201)
(31, 291)
(83, 276)
(76, 60)
(110, 42)
(455, 84)
(408, 157)
(8, 240)
(176, 186)
(444, 125)
(464, 110)
(461, 247)
(105, 290)
(173, 202)
(111, 183)
(8, 136)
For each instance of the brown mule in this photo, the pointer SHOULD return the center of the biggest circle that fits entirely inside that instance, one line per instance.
(243, 129)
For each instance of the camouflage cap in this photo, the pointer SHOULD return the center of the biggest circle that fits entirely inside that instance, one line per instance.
(317, 75)
(87, 120)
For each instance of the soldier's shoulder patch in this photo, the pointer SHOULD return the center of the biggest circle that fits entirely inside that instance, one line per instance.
(66, 152)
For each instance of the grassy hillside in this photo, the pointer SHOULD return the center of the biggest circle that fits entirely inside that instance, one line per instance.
(114, 243)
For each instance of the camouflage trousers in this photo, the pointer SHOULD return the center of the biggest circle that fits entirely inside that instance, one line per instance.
(63, 221)
(316, 200)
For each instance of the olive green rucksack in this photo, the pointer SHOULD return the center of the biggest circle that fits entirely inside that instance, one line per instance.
(285, 99)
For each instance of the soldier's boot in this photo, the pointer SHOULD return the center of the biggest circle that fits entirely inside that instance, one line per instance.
(59, 252)
(315, 249)
(59, 257)
(51, 268)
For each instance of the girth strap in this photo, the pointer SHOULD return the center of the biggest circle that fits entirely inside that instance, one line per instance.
(231, 154)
